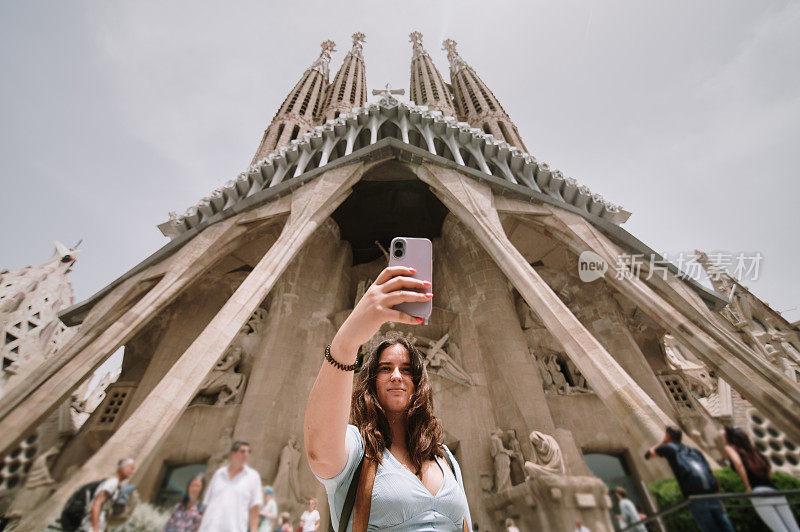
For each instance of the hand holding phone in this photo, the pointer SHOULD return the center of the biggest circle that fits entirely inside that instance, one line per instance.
(416, 253)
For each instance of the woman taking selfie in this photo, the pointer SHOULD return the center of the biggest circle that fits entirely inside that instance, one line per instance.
(405, 467)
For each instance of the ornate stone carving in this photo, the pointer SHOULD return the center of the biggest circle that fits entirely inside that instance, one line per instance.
(517, 458)
(502, 461)
(698, 379)
(286, 483)
(226, 382)
(553, 379)
(560, 376)
(546, 458)
(224, 385)
(579, 384)
(438, 362)
(442, 356)
(255, 324)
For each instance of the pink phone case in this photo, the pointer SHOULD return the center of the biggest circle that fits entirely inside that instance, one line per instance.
(417, 253)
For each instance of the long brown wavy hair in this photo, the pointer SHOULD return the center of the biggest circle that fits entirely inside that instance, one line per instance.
(754, 461)
(424, 428)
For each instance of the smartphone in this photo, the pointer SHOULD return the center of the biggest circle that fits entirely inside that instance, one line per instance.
(416, 253)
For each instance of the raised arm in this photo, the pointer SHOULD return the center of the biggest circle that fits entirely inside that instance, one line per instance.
(328, 408)
(651, 452)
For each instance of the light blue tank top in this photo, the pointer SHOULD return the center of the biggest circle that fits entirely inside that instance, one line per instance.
(400, 502)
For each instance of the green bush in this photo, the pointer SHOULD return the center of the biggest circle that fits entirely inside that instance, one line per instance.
(741, 513)
(145, 518)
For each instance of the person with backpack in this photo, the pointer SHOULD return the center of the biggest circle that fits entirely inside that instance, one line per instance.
(93, 499)
(389, 468)
(754, 469)
(694, 477)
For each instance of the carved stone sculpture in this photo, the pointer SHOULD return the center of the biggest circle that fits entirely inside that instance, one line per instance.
(224, 381)
(578, 380)
(553, 380)
(440, 363)
(256, 322)
(502, 461)
(517, 458)
(286, 483)
(546, 458)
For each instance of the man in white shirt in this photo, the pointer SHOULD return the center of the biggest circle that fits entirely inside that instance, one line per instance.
(580, 527)
(234, 497)
(310, 518)
(95, 519)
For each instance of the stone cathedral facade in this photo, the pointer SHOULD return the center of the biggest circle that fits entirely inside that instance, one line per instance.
(550, 386)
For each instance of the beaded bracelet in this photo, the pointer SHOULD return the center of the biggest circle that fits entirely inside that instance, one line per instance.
(338, 365)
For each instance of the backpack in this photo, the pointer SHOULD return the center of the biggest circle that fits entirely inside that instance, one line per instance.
(694, 474)
(77, 505)
(124, 497)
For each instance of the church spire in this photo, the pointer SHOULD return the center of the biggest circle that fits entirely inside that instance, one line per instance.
(427, 86)
(349, 87)
(475, 103)
(302, 107)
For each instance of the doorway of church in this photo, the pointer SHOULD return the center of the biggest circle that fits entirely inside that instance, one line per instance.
(613, 470)
(176, 480)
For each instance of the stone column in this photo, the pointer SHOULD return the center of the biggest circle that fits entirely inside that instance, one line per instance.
(110, 325)
(508, 392)
(512, 379)
(472, 203)
(600, 313)
(764, 386)
(290, 354)
(149, 425)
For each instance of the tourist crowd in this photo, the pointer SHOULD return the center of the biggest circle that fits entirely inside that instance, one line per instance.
(234, 500)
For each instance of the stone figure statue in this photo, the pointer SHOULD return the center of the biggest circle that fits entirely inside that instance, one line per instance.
(553, 380)
(517, 458)
(286, 483)
(546, 458)
(578, 380)
(561, 384)
(547, 380)
(502, 461)
(255, 323)
(224, 381)
(440, 363)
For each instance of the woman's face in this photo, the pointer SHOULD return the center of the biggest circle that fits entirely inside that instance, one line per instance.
(195, 487)
(394, 384)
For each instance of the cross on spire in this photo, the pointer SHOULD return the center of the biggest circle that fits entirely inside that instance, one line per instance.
(358, 40)
(322, 63)
(386, 94)
(415, 38)
(456, 62)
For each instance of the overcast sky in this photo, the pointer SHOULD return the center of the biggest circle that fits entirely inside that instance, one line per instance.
(687, 113)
